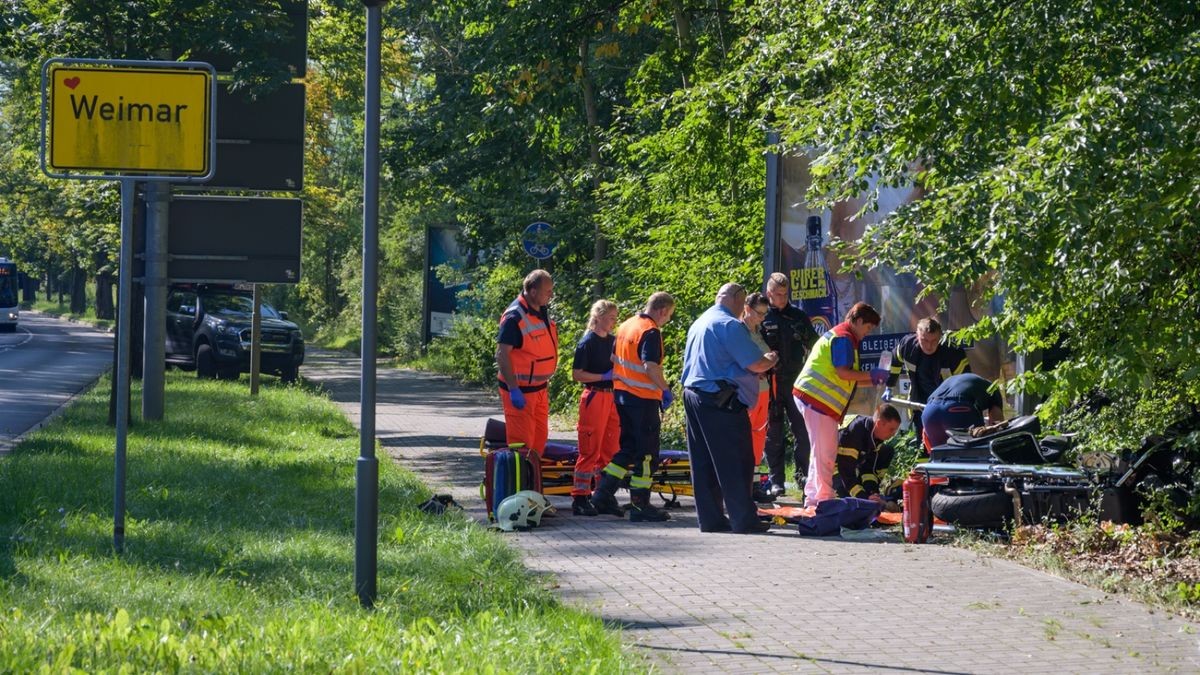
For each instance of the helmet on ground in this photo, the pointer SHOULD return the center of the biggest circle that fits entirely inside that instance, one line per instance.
(540, 503)
(513, 513)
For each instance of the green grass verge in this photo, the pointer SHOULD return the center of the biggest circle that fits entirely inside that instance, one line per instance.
(240, 554)
(341, 343)
(52, 308)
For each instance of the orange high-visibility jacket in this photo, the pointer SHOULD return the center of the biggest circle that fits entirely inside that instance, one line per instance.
(629, 374)
(534, 362)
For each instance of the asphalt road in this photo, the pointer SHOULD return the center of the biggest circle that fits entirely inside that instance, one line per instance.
(42, 365)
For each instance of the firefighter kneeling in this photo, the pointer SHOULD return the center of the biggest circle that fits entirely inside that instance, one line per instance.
(862, 454)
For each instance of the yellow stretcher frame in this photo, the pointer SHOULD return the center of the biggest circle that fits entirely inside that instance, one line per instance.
(672, 480)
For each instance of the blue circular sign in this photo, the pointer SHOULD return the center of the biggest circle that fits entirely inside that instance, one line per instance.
(539, 240)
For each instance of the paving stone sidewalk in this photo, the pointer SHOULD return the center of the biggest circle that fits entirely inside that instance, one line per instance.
(723, 603)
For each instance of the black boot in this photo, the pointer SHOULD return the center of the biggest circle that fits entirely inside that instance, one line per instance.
(760, 495)
(603, 499)
(582, 506)
(642, 511)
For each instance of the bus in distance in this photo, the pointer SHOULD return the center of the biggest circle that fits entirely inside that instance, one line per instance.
(8, 296)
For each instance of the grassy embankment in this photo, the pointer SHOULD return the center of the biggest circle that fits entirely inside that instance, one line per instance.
(63, 310)
(240, 554)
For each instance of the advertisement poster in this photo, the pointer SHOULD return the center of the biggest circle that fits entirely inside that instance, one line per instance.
(826, 292)
(441, 301)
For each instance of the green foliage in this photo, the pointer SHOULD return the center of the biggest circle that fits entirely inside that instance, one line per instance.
(907, 451)
(1055, 146)
(1188, 594)
(577, 115)
(239, 554)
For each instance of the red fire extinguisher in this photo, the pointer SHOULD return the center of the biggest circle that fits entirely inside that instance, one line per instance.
(918, 520)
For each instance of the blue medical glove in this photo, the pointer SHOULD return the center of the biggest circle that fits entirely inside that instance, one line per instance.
(518, 398)
(667, 398)
(607, 377)
(879, 376)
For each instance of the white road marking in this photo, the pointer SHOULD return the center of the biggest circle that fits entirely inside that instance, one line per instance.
(28, 337)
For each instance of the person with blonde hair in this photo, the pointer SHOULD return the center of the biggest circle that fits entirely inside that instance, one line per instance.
(599, 427)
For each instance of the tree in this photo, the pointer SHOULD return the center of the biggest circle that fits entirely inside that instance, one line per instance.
(67, 230)
(1056, 144)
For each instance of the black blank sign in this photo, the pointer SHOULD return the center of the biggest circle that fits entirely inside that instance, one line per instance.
(250, 239)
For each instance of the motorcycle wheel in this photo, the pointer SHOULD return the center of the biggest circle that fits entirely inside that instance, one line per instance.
(973, 508)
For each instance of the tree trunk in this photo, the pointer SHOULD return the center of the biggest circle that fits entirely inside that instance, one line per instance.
(104, 299)
(78, 291)
(600, 245)
(683, 35)
(330, 285)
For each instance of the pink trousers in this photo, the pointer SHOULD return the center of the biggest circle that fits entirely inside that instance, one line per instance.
(823, 439)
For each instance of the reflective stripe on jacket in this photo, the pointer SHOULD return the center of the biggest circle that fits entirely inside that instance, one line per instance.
(534, 362)
(818, 384)
(629, 373)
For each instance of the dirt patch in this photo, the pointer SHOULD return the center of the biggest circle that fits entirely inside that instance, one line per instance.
(1154, 565)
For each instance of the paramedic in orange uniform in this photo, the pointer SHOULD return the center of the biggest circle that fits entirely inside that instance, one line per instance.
(599, 427)
(526, 355)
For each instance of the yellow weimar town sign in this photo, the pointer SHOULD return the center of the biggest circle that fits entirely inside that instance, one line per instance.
(120, 119)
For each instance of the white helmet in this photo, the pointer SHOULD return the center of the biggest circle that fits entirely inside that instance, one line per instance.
(513, 513)
(541, 505)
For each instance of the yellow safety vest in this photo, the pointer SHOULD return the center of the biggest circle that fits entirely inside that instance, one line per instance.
(818, 384)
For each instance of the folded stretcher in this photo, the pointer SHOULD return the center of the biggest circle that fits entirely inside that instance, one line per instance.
(672, 478)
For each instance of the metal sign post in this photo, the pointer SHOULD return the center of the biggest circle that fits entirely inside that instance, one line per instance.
(154, 283)
(124, 288)
(255, 341)
(366, 477)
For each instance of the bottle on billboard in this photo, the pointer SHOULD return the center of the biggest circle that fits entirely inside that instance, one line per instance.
(813, 285)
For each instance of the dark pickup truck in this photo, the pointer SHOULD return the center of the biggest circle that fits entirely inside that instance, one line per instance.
(208, 328)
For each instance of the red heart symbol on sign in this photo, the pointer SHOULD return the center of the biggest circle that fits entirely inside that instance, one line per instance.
(71, 82)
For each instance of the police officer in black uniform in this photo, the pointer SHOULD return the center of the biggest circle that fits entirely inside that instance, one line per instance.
(789, 333)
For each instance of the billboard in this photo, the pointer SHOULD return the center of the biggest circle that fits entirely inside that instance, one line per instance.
(441, 299)
(826, 292)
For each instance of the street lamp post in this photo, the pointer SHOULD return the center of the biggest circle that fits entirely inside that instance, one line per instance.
(366, 512)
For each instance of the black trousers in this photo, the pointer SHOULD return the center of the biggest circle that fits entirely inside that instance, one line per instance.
(722, 460)
(641, 425)
(783, 414)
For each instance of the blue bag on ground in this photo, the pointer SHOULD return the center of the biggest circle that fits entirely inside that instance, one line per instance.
(834, 514)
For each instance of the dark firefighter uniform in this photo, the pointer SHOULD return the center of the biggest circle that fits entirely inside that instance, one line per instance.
(958, 403)
(534, 339)
(860, 459)
(638, 400)
(789, 333)
(925, 371)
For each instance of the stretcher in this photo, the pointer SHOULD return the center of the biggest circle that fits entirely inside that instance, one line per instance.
(672, 479)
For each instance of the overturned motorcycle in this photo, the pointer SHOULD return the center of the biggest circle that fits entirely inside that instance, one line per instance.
(995, 477)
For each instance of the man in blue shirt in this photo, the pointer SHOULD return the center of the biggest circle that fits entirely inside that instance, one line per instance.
(720, 378)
